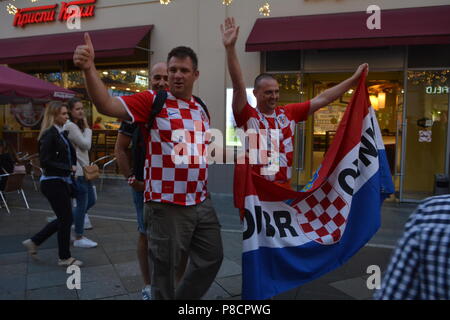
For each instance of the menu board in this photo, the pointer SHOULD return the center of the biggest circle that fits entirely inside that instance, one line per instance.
(327, 119)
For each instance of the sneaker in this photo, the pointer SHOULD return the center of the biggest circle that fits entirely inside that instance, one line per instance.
(84, 243)
(69, 262)
(50, 219)
(87, 223)
(31, 246)
(147, 293)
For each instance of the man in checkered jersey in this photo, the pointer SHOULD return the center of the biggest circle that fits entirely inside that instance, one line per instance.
(267, 115)
(180, 218)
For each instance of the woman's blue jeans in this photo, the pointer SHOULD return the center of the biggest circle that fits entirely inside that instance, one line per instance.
(85, 200)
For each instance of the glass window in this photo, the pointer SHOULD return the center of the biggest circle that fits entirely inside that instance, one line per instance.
(283, 60)
(427, 123)
(436, 56)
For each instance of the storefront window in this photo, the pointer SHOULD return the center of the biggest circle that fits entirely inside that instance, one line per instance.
(427, 124)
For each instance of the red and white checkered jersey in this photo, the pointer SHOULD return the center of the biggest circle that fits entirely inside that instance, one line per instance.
(176, 168)
(284, 119)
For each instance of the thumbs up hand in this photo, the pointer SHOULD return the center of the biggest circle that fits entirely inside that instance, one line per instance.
(84, 55)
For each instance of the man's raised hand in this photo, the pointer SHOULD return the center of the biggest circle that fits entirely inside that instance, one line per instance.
(84, 55)
(230, 32)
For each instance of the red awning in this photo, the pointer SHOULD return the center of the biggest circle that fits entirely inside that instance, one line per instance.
(18, 86)
(411, 26)
(107, 43)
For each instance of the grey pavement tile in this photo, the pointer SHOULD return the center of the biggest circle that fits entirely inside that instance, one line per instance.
(317, 289)
(35, 266)
(355, 287)
(99, 273)
(232, 285)
(12, 243)
(118, 246)
(101, 289)
(113, 237)
(128, 269)
(20, 295)
(13, 269)
(215, 292)
(130, 227)
(122, 256)
(12, 284)
(52, 293)
(135, 295)
(107, 229)
(120, 297)
(13, 258)
(132, 284)
(47, 279)
(91, 257)
(287, 295)
(229, 268)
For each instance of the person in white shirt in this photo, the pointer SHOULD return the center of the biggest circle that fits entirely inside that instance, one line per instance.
(81, 137)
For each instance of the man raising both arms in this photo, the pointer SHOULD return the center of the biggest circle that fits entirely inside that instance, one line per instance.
(267, 114)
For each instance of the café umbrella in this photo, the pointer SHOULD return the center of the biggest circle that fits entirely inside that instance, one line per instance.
(19, 87)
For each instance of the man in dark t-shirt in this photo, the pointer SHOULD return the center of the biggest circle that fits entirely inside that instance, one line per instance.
(133, 171)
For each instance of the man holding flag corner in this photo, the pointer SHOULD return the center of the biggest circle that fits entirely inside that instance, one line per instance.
(291, 237)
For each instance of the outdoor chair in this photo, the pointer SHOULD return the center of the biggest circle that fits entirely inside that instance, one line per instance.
(108, 161)
(13, 184)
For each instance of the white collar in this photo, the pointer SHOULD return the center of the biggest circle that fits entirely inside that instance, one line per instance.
(60, 129)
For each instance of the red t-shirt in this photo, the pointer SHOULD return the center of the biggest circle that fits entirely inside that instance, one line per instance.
(283, 120)
(176, 168)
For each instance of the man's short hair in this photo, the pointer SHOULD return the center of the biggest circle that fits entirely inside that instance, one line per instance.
(261, 77)
(182, 53)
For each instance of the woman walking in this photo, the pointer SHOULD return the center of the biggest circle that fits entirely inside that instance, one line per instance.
(58, 159)
(81, 137)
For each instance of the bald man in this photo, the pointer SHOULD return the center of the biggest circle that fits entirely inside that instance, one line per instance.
(134, 172)
(158, 76)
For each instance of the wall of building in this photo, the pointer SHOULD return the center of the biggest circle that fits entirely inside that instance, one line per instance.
(196, 23)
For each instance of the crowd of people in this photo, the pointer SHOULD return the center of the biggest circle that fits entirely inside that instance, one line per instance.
(179, 246)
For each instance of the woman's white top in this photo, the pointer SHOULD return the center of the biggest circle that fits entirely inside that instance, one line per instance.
(82, 142)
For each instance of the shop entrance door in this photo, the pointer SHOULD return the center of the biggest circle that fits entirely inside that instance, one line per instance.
(425, 133)
(386, 94)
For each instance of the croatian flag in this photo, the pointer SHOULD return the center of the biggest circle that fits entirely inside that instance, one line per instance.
(291, 238)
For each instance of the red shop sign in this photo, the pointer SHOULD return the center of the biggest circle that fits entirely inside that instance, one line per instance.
(44, 14)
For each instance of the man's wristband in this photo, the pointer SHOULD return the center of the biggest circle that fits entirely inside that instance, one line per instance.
(131, 179)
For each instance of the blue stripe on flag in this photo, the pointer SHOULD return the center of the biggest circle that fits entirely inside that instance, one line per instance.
(263, 274)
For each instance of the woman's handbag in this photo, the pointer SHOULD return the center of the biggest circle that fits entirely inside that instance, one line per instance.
(91, 172)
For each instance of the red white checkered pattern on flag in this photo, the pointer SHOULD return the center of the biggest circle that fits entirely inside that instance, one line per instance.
(180, 130)
(323, 215)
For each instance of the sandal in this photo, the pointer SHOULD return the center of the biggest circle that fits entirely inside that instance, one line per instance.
(69, 262)
(31, 246)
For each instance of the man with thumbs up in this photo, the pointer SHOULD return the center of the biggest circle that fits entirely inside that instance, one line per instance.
(180, 218)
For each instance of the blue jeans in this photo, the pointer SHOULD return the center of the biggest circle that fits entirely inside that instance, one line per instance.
(138, 198)
(85, 200)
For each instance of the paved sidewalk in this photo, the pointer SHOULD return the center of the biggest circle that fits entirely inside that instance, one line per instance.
(111, 270)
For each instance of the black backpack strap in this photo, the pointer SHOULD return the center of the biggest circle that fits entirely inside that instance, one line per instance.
(157, 106)
(203, 106)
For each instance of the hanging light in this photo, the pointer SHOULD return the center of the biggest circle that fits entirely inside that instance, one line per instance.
(265, 10)
(227, 2)
(381, 100)
(165, 2)
(12, 9)
(374, 101)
